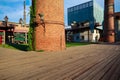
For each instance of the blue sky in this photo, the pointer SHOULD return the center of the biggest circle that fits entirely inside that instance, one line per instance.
(14, 8)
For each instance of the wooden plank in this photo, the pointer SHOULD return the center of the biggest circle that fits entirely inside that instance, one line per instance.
(114, 72)
(77, 63)
(88, 75)
(103, 72)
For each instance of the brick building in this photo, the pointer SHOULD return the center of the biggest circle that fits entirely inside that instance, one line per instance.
(12, 32)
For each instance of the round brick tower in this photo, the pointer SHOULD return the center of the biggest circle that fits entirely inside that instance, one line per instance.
(109, 28)
(49, 31)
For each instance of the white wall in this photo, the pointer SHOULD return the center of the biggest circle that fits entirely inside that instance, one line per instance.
(93, 37)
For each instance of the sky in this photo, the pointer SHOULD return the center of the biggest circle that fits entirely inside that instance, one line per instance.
(14, 8)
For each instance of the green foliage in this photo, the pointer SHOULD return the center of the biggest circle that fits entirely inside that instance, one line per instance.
(7, 46)
(15, 46)
(1, 33)
(71, 44)
(31, 36)
(40, 51)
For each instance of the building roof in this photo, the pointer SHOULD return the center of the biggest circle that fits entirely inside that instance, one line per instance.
(80, 6)
(15, 23)
(117, 13)
(12, 25)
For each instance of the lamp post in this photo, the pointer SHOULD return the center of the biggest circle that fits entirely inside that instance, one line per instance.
(41, 17)
(21, 22)
(6, 20)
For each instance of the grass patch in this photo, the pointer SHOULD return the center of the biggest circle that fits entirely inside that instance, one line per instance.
(21, 47)
(40, 51)
(7, 46)
(24, 47)
(71, 44)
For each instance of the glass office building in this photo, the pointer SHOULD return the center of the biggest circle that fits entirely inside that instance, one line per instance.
(89, 11)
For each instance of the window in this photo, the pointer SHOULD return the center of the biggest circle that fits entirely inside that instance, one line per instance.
(86, 4)
(75, 8)
(91, 3)
(80, 6)
(83, 5)
(68, 9)
(72, 9)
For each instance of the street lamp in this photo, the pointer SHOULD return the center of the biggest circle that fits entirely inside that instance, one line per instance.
(6, 20)
(21, 21)
(41, 17)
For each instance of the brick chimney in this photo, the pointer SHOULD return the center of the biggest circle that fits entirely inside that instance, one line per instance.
(49, 31)
(109, 28)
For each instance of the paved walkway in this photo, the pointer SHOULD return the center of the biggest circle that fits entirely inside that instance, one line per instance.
(91, 62)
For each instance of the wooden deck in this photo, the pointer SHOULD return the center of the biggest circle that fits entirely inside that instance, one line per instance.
(91, 62)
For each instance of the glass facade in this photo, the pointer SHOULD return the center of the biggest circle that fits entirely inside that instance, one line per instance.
(81, 6)
(89, 11)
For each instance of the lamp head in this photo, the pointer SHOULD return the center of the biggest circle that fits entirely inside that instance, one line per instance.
(41, 16)
(6, 18)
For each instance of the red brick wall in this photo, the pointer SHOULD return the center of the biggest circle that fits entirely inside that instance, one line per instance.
(50, 37)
